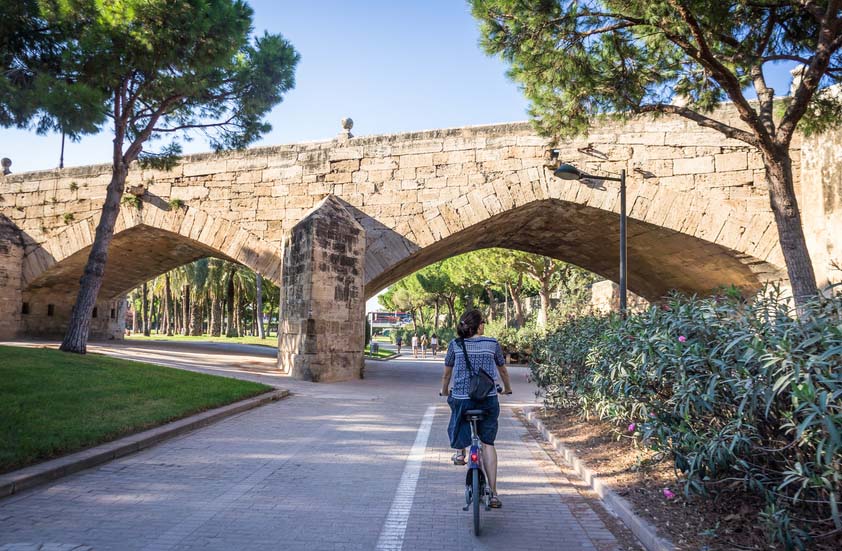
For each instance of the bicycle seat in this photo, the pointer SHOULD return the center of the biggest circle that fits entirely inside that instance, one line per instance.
(473, 415)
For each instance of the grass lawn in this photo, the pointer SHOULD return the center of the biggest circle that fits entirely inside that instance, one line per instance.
(381, 353)
(268, 341)
(53, 403)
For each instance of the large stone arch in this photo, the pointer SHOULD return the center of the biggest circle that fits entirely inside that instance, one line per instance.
(677, 240)
(147, 241)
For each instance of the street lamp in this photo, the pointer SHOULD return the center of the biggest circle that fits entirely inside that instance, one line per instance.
(570, 172)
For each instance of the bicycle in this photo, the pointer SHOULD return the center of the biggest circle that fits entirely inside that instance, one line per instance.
(476, 488)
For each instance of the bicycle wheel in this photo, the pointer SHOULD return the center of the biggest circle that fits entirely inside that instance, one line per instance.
(477, 497)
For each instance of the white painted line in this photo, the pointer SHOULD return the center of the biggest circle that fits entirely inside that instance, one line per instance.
(394, 529)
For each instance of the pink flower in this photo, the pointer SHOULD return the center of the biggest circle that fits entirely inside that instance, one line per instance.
(632, 427)
(682, 338)
(668, 494)
(652, 415)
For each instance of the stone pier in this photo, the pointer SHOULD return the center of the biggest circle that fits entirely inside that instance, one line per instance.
(322, 313)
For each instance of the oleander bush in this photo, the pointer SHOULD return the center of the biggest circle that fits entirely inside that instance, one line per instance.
(518, 342)
(739, 393)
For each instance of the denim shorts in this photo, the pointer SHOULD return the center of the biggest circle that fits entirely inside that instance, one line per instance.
(459, 430)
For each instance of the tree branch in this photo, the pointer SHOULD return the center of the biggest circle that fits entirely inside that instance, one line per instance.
(829, 42)
(784, 57)
(137, 145)
(193, 126)
(812, 8)
(707, 122)
(725, 77)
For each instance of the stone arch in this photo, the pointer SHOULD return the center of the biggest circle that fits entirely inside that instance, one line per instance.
(147, 241)
(677, 239)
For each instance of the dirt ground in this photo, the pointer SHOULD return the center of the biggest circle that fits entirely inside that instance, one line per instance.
(724, 523)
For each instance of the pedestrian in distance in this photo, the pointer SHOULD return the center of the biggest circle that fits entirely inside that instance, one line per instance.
(424, 344)
(434, 344)
(486, 354)
(415, 345)
(399, 342)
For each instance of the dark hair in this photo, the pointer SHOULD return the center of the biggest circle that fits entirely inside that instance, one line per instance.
(469, 324)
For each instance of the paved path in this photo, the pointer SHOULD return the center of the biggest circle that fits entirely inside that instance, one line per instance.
(334, 467)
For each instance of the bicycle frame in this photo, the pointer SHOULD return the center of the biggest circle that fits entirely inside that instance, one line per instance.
(475, 462)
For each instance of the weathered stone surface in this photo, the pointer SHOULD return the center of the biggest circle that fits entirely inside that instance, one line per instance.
(322, 312)
(698, 205)
(11, 255)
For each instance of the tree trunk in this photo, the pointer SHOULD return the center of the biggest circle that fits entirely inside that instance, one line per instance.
(490, 304)
(144, 306)
(185, 309)
(230, 330)
(259, 306)
(216, 316)
(135, 326)
(168, 304)
(515, 294)
(195, 329)
(544, 293)
(436, 319)
(784, 204)
(241, 313)
(79, 324)
(451, 311)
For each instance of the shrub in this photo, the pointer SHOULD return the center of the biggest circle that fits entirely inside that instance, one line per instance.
(735, 391)
(132, 201)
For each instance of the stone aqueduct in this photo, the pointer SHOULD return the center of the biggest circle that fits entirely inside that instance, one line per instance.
(333, 222)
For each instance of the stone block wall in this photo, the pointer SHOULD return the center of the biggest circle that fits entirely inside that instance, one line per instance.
(47, 315)
(820, 200)
(322, 312)
(412, 190)
(11, 257)
(605, 297)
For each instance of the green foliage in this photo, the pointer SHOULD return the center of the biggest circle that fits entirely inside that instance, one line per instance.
(367, 331)
(152, 67)
(176, 204)
(132, 201)
(68, 217)
(581, 60)
(74, 186)
(737, 392)
(167, 159)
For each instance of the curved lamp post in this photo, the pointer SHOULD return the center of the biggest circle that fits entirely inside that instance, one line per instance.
(570, 172)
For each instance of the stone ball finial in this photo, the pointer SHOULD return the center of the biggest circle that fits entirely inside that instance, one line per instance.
(347, 125)
(7, 163)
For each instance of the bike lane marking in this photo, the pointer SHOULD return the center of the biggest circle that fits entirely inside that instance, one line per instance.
(394, 528)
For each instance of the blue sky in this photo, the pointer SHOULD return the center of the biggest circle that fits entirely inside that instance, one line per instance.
(391, 66)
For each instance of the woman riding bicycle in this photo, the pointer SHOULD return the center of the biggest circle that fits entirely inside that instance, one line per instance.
(484, 353)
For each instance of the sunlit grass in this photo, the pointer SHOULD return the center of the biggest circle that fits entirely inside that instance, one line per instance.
(53, 403)
(249, 339)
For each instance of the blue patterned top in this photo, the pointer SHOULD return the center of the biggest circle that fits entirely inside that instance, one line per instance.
(485, 353)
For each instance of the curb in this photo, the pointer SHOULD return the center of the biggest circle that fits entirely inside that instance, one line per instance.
(387, 358)
(642, 529)
(29, 477)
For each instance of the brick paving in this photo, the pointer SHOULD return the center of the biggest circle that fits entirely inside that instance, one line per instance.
(317, 471)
